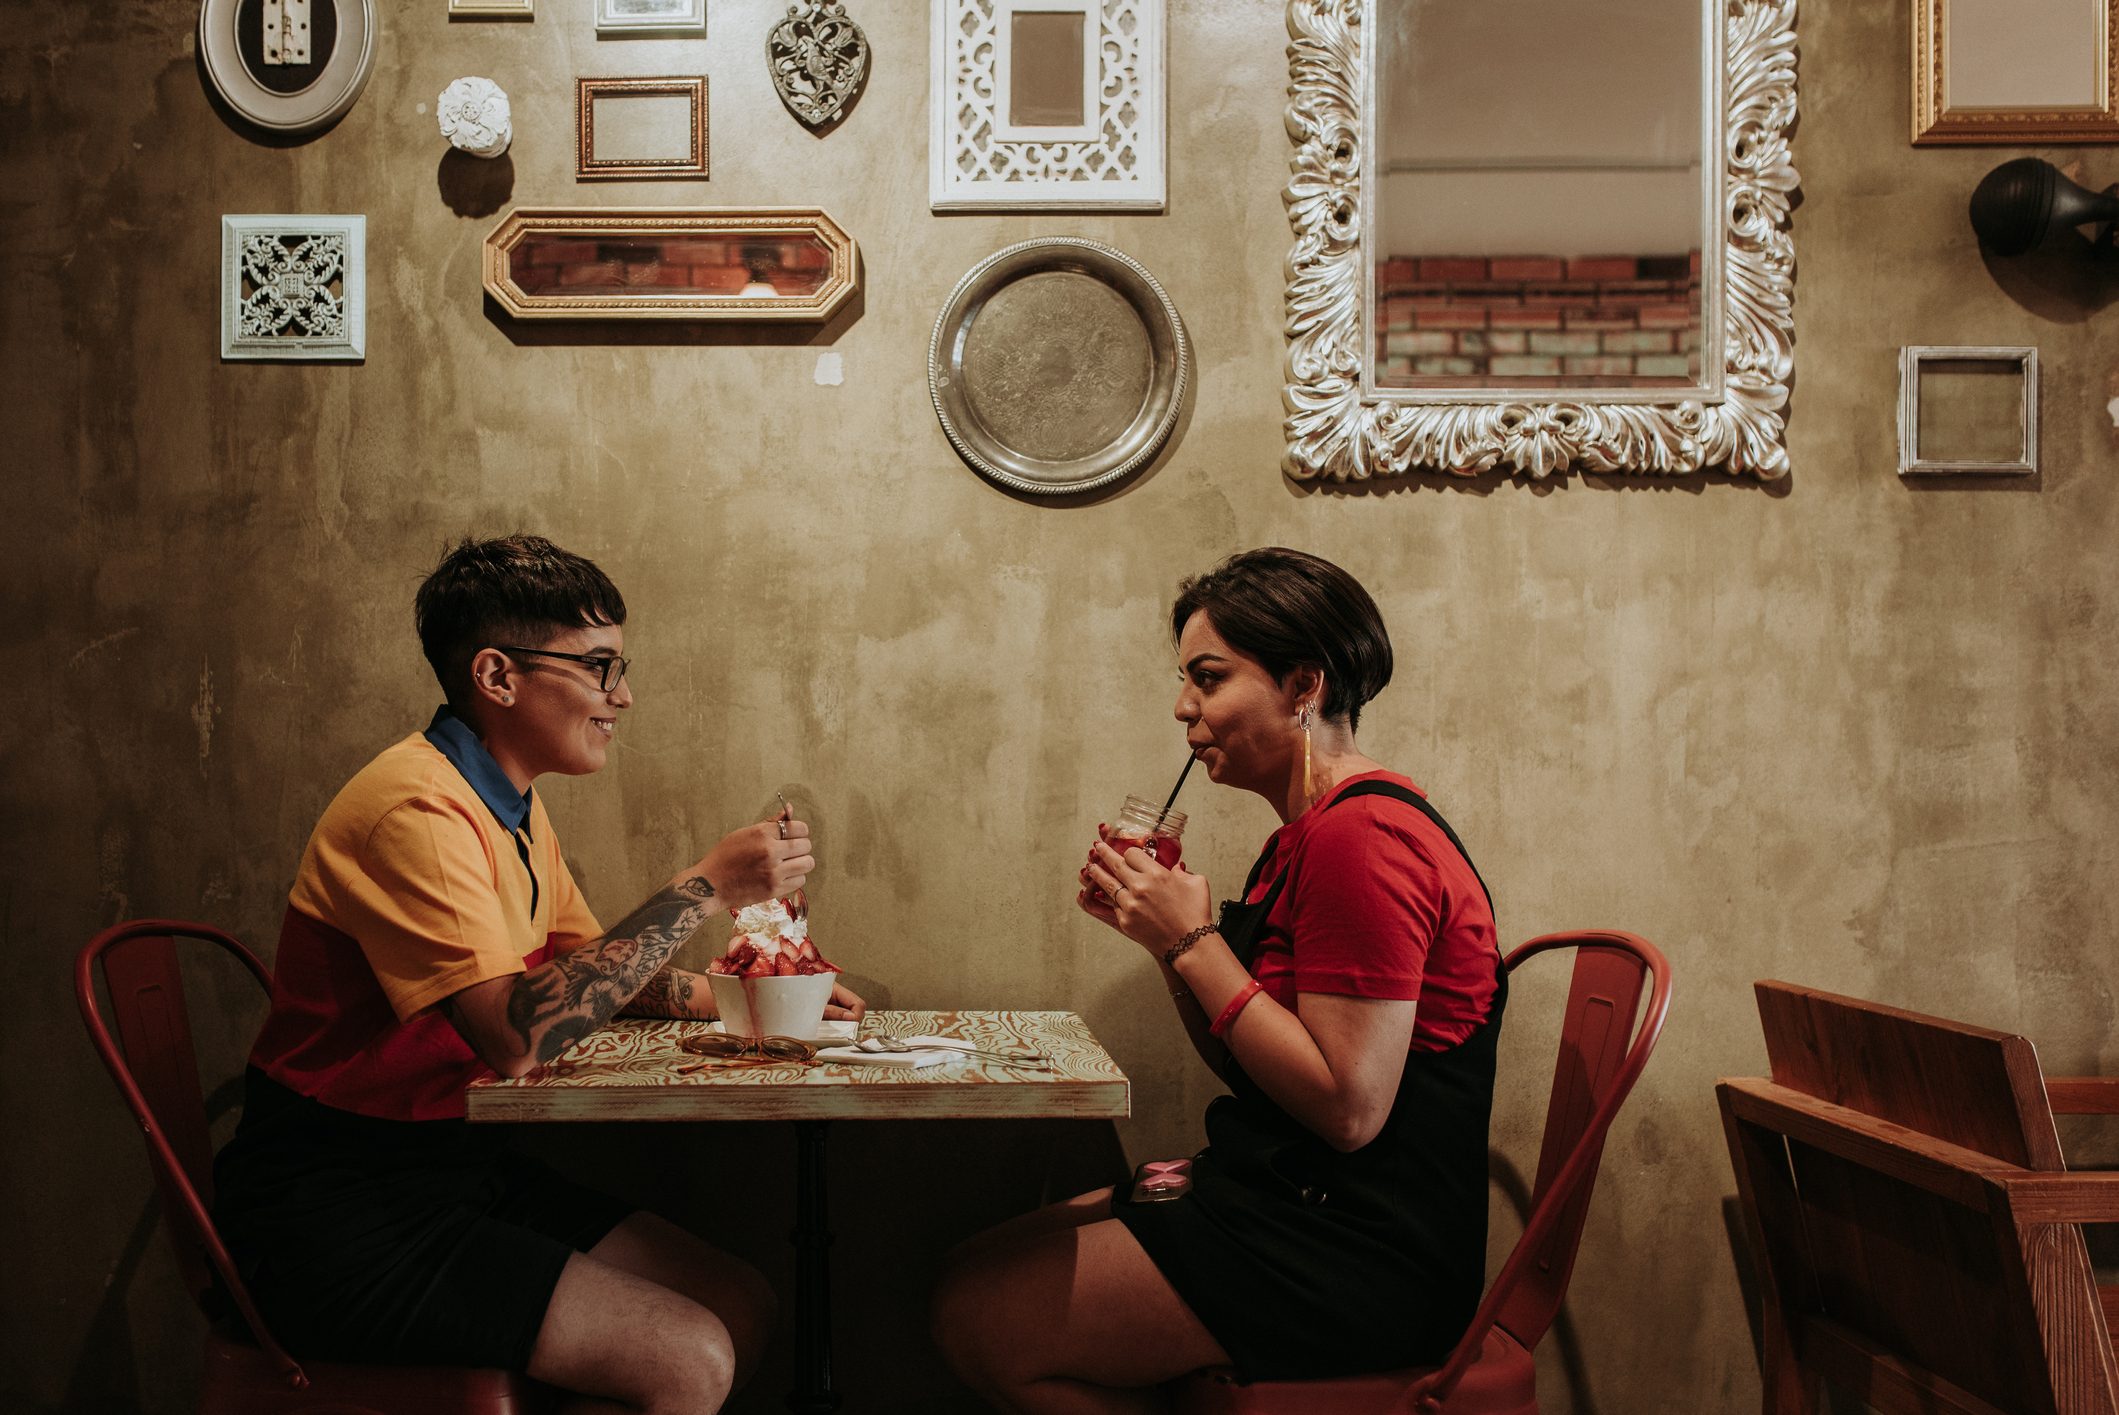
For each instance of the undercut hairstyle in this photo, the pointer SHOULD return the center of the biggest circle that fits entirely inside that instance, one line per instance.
(1290, 610)
(515, 590)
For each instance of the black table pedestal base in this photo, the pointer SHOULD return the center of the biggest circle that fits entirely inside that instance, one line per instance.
(812, 1394)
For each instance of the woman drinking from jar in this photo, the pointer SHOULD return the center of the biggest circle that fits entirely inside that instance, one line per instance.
(1351, 1000)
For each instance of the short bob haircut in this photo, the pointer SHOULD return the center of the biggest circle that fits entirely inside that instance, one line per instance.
(517, 589)
(1290, 610)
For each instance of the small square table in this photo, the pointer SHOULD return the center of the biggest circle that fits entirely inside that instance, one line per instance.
(630, 1071)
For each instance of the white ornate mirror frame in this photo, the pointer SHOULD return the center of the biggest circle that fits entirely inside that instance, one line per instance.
(1341, 426)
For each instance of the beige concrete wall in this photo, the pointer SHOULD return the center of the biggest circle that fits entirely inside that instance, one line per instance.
(1838, 730)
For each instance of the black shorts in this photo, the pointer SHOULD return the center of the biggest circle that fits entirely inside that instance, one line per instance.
(396, 1242)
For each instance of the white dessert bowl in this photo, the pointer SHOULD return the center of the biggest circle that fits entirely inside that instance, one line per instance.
(772, 1007)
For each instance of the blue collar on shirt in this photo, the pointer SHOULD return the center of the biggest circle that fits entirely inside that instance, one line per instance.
(454, 739)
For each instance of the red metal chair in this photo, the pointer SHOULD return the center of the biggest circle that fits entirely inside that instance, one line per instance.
(247, 1371)
(1491, 1371)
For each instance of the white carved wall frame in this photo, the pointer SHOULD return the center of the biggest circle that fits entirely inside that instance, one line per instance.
(1341, 427)
(291, 262)
(976, 161)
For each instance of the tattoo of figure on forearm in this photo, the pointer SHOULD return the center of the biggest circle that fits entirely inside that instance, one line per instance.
(667, 994)
(557, 1005)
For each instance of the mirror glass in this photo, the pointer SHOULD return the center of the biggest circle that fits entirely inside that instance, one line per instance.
(1045, 69)
(680, 265)
(1537, 207)
(2022, 54)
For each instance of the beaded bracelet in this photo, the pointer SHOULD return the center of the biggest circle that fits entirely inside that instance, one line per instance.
(1237, 1004)
(1177, 949)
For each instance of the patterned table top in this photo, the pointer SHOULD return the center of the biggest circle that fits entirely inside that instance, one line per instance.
(628, 1071)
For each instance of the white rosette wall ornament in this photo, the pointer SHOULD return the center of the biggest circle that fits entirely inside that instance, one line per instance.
(474, 117)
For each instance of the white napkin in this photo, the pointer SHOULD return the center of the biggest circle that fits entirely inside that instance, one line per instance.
(935, 1056)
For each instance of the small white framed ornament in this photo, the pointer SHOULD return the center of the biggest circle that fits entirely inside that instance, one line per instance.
(294, 287)
(650, 16)
(1047, 105)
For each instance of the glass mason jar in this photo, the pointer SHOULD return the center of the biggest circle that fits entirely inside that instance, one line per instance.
(1142, 824)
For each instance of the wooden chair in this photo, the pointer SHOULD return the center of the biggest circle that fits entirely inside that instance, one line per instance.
(1603, 1050)
(156, 1068)
(1918, 1237)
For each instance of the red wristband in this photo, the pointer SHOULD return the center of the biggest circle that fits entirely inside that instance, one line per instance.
(1237, 1004)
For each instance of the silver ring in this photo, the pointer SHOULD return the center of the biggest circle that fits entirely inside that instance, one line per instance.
(783, 829)
(1118, 891)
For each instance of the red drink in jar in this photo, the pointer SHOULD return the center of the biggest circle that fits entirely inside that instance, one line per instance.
(1142, 825)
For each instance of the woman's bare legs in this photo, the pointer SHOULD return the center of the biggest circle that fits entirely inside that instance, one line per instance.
(1060, 1312)
(652, 1319)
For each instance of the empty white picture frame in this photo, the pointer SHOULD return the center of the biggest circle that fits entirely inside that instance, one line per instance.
(650, 16)
(294, 287)
(1047, 105)
(1984, 425)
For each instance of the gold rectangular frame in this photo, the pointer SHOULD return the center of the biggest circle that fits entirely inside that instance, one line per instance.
(492, 9)
(586, 165)
(1937, 124)
(840, 283)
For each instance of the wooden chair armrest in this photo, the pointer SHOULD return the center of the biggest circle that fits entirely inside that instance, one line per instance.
(2064, 1198)
(1949, 1171)
(2083, 1095)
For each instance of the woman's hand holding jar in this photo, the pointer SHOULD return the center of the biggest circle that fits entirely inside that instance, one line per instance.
(1153, 906)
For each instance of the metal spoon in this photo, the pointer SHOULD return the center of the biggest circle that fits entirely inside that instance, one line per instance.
(897, 1044)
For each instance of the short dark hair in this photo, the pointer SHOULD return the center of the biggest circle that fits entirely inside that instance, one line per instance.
(1288, 609)
(517, 589)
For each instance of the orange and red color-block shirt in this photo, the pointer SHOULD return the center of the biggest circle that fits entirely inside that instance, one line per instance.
(427, 873)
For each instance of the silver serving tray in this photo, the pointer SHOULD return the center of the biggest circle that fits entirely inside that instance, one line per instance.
(1058, 366)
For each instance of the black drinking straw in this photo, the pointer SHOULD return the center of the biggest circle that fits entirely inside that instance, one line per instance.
(1189, 759)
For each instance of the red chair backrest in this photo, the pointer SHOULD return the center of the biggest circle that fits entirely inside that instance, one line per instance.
(1595, 1070)
(157, 1070)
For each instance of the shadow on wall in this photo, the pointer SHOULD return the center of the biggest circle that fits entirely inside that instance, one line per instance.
(475, 186)
(106, 1380)
(685, 334)
(2061, 279)
(1502, 1174)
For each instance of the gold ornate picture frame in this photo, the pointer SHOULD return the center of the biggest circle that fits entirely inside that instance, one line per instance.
(2084, 64)
(772, 264)
(684, 156)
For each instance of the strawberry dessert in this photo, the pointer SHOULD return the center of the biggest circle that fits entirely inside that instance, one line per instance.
(771, 940)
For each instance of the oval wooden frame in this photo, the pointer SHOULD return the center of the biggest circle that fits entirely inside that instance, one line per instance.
(749, 223)
(307, 110)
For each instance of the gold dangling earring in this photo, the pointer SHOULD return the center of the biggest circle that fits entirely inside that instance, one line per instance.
(1305, 720)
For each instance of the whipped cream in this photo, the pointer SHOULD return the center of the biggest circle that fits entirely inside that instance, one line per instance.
(769, 928)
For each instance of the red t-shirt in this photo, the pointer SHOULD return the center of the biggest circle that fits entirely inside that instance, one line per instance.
(1377, 903)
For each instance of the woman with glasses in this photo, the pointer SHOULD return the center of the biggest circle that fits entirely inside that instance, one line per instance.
(434, 936)
(1350, 998)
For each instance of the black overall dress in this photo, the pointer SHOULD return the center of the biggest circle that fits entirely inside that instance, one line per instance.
(1304, 1262)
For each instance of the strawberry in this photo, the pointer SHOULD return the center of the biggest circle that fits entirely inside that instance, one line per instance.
(784, 967)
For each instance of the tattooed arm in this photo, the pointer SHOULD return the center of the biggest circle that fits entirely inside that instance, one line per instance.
(673, 992)
(519, 1022)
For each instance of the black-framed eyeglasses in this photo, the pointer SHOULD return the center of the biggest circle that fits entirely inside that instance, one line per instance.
(610, 671)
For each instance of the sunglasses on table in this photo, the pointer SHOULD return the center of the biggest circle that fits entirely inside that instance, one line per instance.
(719, 1048)
(610, 670)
